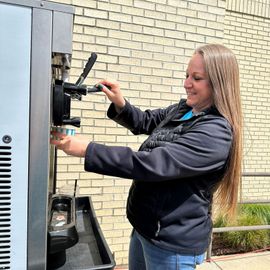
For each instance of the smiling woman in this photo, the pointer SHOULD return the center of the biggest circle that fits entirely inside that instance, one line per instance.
(197, 85)
(193, 149)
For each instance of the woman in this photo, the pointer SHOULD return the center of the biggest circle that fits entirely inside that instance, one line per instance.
(193, 149)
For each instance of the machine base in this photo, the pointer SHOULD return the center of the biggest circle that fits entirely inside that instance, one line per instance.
(91, 252)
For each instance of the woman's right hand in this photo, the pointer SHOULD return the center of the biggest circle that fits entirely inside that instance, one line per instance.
(71, 145)
(114, 94)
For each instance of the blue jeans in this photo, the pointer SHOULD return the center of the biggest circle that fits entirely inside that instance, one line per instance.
(143, 255)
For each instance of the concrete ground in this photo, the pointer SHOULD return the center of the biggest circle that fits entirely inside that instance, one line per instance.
(247, 261)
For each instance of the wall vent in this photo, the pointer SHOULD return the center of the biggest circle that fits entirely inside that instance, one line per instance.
(5, 206)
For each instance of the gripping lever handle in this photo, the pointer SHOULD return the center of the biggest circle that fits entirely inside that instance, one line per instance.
(91, 61)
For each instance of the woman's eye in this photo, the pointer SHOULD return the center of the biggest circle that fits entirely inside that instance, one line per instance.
(195, 78)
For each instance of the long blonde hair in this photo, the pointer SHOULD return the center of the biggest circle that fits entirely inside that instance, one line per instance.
(223, 72)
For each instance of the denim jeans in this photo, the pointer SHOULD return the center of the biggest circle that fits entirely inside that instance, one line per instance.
(143, 255)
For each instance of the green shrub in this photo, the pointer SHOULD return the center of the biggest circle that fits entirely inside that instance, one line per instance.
(248, 215)
(260, 210)
(247, 240)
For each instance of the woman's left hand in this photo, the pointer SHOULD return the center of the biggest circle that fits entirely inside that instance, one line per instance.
(71, 145)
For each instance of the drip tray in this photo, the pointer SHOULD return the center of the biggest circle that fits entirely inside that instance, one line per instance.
(91, 252)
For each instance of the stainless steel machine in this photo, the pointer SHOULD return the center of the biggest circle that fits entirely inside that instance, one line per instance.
(38, 228)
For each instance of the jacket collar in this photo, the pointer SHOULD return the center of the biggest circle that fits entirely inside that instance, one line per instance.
(183, 108)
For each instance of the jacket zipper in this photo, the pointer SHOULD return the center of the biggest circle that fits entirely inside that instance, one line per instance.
(158, 229)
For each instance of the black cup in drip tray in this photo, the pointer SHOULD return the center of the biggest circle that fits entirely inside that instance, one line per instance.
(62, 233)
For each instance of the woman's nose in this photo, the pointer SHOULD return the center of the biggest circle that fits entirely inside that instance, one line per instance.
(187, 83)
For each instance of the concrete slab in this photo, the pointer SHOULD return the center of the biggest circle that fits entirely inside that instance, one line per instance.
(248, 261)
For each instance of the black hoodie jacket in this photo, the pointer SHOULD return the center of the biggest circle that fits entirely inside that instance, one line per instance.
(174, 172)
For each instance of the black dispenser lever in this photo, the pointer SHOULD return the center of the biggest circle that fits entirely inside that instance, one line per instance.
(91, 61)
(63, 92)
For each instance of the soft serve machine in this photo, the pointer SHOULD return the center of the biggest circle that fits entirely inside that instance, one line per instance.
(40, 229)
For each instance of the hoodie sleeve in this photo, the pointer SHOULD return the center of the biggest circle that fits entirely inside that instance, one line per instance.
(204, 148)
(136, 120)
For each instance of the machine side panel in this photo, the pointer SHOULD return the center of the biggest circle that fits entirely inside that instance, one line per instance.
(15, 48)
(39, 138)
(62, 32)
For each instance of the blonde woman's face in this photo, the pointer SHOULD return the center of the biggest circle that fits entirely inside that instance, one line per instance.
(198, 89)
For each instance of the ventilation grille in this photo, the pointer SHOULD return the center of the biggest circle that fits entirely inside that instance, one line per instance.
(5, 206)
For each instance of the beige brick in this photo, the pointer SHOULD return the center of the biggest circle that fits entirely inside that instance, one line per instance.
(120, 34)
(153, 31)
(119, 51)
(142, 38)
(78, 11)
(144, 4)
(125, 139)
(75, 168)
(143, 21)
(130, 45)
(84, 183)
(89, 175)
(123, 2)
(185, 28)
(133, 11)
(153, 95)
(113, 219)
(66, 160)
(96, 13)
(106, 227)
(95, 31)
(216, 10)
(109, 6)
(141, 70)
(214, 25)
(117, 248)
(81, 38)
(93, 114)
(120, 240)
(154, 14)
(129, 77)
(85, 3)
(132, 28)
(67, 176)
(93, 130)
(141, 55)
(62, 168)
(131, 61)
(108, 24)
(167, 9)
(126, 18)
(158, 103)
(113, 204)
(125, 225)
(104, 138)
(186, 12)
(120, 211)
(102, 183)
(195, 37)
(113, 234)
(84, 21)
(116, 131)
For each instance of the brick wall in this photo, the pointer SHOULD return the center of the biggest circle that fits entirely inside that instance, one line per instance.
(146, 45)
(246, 31)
